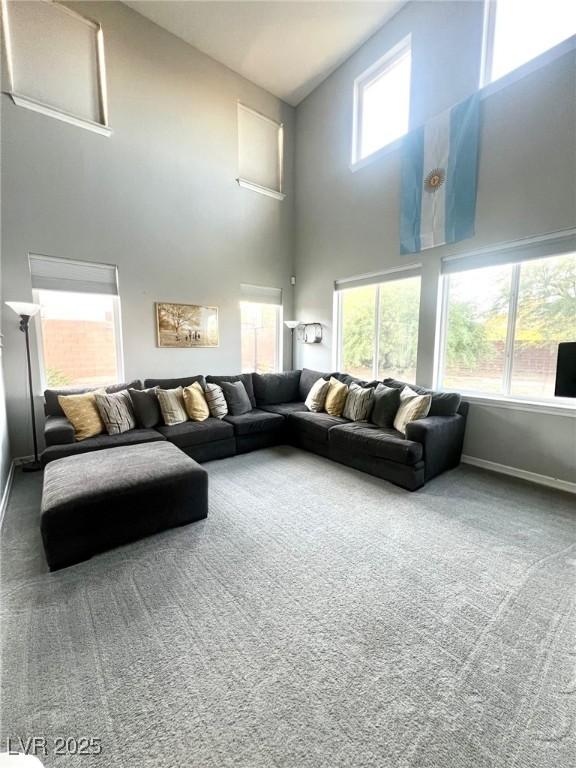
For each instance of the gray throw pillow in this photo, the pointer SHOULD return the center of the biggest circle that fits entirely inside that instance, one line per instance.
(146, 407)
(358, 403)
(236, 397)
(386, 402)
(116, 411)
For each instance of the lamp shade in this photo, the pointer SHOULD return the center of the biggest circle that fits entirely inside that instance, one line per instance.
(291, 324)
(23, 308)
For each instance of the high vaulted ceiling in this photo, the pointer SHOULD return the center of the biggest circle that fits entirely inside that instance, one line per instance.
(287, 47)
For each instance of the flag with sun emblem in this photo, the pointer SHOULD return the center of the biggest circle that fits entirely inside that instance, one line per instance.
(439, 171)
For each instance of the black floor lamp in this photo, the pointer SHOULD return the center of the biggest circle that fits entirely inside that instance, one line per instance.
(292, 324)
(26, 311)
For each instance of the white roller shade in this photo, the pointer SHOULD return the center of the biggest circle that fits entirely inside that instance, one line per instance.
(511, 253)
(55, 58)
(260, 294)
(56, 274)
(374, 278)
(260, 149)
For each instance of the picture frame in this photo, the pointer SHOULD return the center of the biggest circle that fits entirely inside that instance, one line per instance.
(186, 326)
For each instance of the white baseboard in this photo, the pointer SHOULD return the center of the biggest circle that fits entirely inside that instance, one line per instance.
(6, 492)
(523, 474)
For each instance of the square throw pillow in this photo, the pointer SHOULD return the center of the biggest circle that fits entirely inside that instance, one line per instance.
(146, 407)
(216, 401)
(195, 402)
(386, 404)
(82, 412)
(336, 397)
(172, 406)
(116, 412)
(236, 397)
(412, 406)
(359, 401)
(316, 398)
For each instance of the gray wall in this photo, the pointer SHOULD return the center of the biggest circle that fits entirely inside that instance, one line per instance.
(158, 199)
(348, 223)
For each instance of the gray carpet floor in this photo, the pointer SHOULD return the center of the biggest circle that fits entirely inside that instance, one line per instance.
(319, 618)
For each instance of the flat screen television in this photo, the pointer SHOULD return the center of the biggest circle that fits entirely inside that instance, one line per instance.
(566, 370)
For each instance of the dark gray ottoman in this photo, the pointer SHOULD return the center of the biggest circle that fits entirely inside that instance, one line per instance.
(95, 501)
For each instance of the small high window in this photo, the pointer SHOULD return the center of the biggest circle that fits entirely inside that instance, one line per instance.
(517, 31)
(382, 102)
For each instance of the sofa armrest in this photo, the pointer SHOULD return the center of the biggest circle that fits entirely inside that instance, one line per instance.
(442, 438)
(58, 431)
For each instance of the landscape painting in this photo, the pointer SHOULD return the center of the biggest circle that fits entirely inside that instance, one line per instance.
(186, 325)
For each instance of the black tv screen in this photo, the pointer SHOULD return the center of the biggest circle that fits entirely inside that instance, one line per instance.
(566, 370)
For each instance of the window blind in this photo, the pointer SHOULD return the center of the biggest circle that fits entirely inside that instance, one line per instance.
(554, 244)
(259, 294)
(259, 149)
(375, 278)
(55, 58)
(56, 274)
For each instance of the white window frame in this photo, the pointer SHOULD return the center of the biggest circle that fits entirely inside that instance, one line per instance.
(373, 72)
(560, 405)
(376, 280)
(546, 57)
(279, 356)
(117, 319)
(22, 100)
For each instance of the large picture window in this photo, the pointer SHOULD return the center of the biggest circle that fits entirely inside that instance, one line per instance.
(516, 31)
(261, 328)
(79, 322)
(502, 325)
(378, 328)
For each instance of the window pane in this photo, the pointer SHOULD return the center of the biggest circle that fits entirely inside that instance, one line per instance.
(399, 314)
(259, 337)
(546, 316)
(386, 106)
(524, 30)
(477, 323)
(358, 307)
(78, 338)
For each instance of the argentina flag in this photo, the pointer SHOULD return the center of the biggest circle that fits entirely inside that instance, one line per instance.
(439, 172)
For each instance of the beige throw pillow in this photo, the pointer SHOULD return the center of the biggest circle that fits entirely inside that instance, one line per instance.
(317, 396)
(195, 402)
(172, 406)
(336, 397)
(82, 412)
(412, 406)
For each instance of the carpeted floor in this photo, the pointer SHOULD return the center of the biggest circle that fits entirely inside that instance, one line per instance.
(319, 618)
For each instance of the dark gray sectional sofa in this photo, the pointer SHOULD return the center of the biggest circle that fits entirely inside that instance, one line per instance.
(431, 446)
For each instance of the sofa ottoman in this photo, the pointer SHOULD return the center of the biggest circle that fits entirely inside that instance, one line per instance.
(95, 501)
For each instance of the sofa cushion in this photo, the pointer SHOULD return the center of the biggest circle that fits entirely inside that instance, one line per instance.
(186, 381)
(315, 425)
(309, 377)
(274, 388)
(52, 406)
(98, 443)
(236, 398)
(197, 432)
(285, 409)
(146, 407)
(82, 412)
(386, 404)
(256, 421)
(116, 411)
(245, 378)
(369, 439)
(443, 403)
